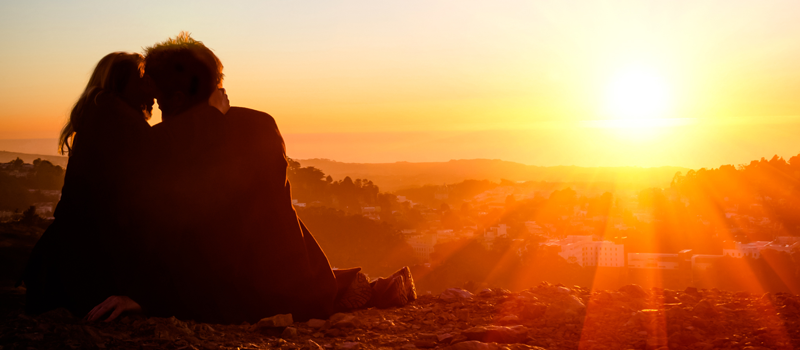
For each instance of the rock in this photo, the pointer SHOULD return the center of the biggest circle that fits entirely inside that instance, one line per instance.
(428, 337)
(698, 322)
(341, 320)
(720, 342)
(312, 345)
(474, 345)
(501, 291)
(459, 338)
(568, 306)
(524, 347)
(282, 320)
(349, 345)
(462, 314)
(455, 294)
(705, 308)
(499, 334)
(445, 337)
(634, 290)
(563, 290)
(289, 333)
(646, 320)
(533, 311)
(56, 315)
(692, 291)
(485, 293)
(385, 324)
(204, 327)
(425, 344)
(703, 346)
(316, 323)
(509, 319)
(687, 298)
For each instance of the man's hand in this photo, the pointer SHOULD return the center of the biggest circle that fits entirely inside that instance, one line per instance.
(219, 100)
(114, 304)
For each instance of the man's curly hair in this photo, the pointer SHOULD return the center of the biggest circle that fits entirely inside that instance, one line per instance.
(183, 64)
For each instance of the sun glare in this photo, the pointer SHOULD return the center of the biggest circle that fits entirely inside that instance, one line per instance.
(637, 94)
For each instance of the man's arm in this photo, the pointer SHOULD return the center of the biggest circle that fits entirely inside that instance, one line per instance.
(115, 304)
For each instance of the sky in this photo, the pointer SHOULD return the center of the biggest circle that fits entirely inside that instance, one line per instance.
(588, 83)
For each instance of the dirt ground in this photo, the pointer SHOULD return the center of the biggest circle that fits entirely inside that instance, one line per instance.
(544, 317)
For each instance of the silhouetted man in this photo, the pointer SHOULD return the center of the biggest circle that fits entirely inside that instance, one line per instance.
(223, 241)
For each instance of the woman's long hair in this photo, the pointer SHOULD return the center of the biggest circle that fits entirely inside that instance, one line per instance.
(110, 75)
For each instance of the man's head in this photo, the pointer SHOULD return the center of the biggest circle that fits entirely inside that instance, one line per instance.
(184, 72)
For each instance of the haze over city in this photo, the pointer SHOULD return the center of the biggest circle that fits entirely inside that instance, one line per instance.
(616, 83)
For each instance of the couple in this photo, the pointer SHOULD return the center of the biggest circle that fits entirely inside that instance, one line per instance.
(192, 217)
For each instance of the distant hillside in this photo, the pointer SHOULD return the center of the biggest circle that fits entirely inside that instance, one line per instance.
(6, 157)
(30, 146)
(399, 175)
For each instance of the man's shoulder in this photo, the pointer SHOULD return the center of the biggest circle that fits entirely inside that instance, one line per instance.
(242, 112)
(246, 123)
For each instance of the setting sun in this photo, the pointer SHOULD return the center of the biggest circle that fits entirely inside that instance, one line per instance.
(637, 93)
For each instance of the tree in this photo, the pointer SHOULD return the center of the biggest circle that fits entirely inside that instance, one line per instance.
(16, 163)
(29, 216)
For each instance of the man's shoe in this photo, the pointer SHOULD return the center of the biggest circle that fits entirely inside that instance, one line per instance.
(389, 292)
(357, 295)
(408, 281)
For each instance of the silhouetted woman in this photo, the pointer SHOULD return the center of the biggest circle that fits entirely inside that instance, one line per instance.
(72, 265)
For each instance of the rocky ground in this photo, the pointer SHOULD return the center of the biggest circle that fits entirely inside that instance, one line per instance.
(544, 317)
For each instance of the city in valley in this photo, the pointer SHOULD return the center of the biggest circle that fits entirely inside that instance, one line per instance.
(727, 227)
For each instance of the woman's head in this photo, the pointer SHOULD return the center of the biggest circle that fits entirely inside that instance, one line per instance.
(119, 73)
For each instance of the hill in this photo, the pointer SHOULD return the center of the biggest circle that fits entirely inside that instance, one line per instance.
(30, 146)
(400, 175)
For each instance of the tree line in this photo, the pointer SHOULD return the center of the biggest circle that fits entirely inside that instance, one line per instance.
(17, 193)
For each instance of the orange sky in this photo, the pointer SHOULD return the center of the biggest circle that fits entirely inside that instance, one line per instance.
(536, 82)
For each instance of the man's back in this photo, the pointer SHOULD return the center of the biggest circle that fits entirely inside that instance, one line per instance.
(233, 244)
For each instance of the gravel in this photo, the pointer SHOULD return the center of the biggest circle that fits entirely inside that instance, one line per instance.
(544, 317)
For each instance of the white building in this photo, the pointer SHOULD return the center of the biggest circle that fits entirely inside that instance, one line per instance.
(534, 228)
(785, 244)
(753, 250)
(423, 245)
(653, 261)
(493, 233)
(701, 262)
(445, 235)
(371, 212)
(743, 250)
(44, 208)
(587, 252)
